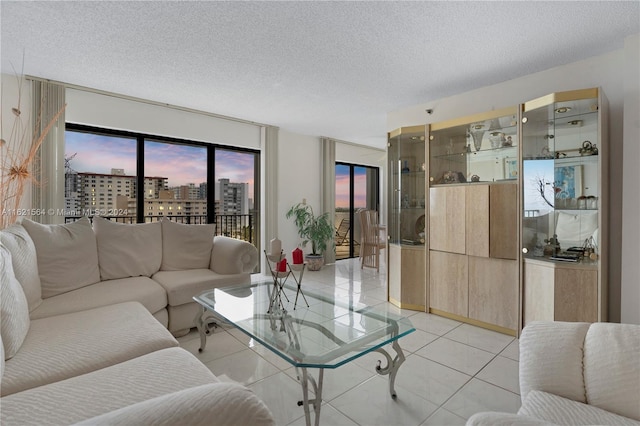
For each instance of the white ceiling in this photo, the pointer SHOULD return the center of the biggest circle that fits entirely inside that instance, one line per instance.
(318, 68)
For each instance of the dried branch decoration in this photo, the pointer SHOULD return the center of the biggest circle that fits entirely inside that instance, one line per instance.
(17, 155)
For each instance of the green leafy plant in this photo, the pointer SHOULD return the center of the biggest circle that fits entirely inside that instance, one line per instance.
(317, 230)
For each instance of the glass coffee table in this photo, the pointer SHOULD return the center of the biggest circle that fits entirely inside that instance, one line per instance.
(327, 334)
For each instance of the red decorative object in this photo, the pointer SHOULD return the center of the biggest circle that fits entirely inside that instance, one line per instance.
(282, 265)
(297, 256)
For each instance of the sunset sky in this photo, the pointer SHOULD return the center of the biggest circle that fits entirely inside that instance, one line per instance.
(181, 164)
(342, 186)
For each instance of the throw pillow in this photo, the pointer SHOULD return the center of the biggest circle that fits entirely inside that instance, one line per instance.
(67, 255)
(25, 262)
(573, 229)
(128, 250)
(14, 309)
(186, 246)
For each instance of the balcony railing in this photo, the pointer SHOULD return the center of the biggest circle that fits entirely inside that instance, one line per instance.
(238, 226)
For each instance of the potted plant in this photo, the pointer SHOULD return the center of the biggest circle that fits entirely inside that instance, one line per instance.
(317, 230)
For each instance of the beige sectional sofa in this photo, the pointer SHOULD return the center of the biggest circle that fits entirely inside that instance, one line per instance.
(161, 265)
(75, 350)
(575, 374)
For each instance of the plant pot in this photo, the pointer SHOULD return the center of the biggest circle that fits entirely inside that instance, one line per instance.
(314, 261)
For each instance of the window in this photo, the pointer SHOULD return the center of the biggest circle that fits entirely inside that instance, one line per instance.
(154, 170)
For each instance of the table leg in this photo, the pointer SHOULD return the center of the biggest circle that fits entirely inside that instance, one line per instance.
(392, 366)
(205, 322)
(317, 390)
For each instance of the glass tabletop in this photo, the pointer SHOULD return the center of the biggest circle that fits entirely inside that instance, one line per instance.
(326, 334)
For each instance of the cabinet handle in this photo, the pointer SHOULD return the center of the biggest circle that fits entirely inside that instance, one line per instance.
(525, 250)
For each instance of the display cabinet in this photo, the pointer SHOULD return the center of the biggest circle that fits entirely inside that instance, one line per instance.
(473, 219)
(480, 148)
(564, 233)
(406, 231)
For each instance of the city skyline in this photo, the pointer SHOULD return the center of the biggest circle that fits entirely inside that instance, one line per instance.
(180, 164)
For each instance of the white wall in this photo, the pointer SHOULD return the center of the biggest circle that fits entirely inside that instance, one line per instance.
(609, 71)
(630, 291)
(299, 177)
(102, 110)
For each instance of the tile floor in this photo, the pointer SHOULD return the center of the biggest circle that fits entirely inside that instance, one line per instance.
(452, 370)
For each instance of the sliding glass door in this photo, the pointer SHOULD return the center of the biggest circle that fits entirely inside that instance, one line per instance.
(357, 187)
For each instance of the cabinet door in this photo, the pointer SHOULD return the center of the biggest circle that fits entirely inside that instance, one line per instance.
(449, 285)
(538, 292)
(503, 221)
(413, 277)
(493, 291)
(576, 298)
(394, 272)
(477, 220)
(447, 219)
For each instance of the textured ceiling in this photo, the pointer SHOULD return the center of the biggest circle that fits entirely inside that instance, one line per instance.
(318, 68)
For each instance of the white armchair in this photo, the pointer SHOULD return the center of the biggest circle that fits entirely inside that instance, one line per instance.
(574, 374)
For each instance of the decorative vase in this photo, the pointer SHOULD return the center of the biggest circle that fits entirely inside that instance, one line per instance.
(477, 131)
(497, 139)
(314, 262)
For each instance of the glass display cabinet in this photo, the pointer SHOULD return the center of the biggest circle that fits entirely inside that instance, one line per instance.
(564, 236)
(481, 148)
(406, 231)
(473, 219)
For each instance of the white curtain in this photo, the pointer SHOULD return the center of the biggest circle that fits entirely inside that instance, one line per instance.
(328, 186)
(48, 191)
(269, 201)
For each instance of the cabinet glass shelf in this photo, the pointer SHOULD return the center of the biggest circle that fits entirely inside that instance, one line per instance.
(482, 147)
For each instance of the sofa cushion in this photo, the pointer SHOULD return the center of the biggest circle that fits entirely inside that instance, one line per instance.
(560, 374)
(181, 286)
(25, 262)
(612, 368)
(563, 411)
(67, 255)
(186, 246)
(494, 418)
(227, 403)
(139, 289)
(101, 391)
(65, 346)
(14, 309)
(128, 250)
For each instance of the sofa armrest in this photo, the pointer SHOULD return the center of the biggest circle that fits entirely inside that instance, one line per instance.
(215, 403)
(231, 256)
(551, 359)
(491, 418)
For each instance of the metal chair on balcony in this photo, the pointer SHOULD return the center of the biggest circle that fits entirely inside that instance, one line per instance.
(342, 232)
(372, 239)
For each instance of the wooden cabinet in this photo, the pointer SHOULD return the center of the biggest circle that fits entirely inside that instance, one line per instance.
(503, 220)
(473, 266)
(560, 291)
(493, 292)
(412, 265)
(448, 278)
(447, 216)
(477, 220)
(474, 220)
